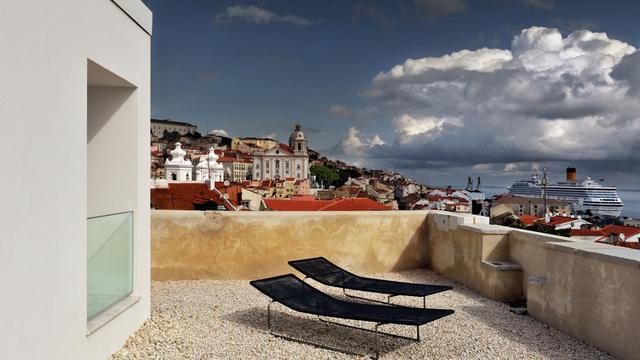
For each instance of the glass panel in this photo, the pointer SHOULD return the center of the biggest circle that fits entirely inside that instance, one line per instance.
(109, 260)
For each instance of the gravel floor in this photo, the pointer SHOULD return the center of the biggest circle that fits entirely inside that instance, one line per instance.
(227, 320)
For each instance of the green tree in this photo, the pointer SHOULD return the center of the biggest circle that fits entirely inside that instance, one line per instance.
(328, 176)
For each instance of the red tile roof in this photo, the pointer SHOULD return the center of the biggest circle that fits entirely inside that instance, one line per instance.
(233, 159)
(285, 148)
(529, 219)
(353, 204)
(189, 196)
(628, 231)
(557, 220)
(348, 204)
(586, 232)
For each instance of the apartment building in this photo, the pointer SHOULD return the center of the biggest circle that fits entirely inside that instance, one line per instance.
(74, 251)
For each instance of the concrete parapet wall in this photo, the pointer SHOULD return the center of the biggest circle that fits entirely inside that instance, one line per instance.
(591, 291)
(250, 245)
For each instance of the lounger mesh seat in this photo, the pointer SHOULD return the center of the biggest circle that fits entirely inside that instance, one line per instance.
(325, 272)
(295, 294)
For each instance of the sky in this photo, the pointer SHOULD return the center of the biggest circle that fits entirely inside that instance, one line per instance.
(437, 90)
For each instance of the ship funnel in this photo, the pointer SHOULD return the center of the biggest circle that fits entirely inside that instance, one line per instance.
(571, 174)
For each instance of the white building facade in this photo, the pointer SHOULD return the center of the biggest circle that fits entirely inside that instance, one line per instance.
(158, 127)
(75, 76)
(284, 161)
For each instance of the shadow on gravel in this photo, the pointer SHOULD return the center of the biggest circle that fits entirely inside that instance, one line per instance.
(309, 328)
(547, 342)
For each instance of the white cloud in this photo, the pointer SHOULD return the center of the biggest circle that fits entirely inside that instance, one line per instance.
(269, 136)
(256, 15)
(354, 145)
(548, 98)
(219, 132)
(407, 127)
(483, 60)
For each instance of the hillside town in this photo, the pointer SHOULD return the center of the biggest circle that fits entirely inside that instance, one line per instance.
(191, 171)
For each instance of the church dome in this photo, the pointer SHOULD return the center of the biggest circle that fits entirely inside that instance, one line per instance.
(296, 135)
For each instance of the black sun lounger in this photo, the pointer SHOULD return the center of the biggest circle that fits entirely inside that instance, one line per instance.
(295, 294)
(327, 273)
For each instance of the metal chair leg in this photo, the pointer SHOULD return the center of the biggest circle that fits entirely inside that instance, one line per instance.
(377, 349)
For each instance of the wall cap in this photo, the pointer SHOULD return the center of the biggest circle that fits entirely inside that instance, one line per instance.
(604, 252)
(486, 229)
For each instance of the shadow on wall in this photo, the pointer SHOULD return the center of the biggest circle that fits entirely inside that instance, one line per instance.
(416, 253)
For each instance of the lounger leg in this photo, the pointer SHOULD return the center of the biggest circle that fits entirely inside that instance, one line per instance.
(424, 302)
(368, 330)
(269, 317)
(301, 341)
(418, 332)
(376, 340)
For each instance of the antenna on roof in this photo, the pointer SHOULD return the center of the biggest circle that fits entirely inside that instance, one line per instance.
(478, 187)
(469, 183)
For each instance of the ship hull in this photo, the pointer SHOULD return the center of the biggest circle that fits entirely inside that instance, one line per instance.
(600, 201)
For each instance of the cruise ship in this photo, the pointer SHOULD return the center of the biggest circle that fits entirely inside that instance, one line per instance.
(583, 195)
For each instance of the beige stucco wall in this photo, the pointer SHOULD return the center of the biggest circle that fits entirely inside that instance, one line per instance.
(457, 247)
(250, 245)
(591, 291)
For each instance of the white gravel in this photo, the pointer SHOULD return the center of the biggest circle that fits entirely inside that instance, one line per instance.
(227, 320)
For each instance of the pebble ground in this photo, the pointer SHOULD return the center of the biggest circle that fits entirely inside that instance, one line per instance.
(228, 320)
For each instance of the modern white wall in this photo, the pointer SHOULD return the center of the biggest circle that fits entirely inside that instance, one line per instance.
(46, 48)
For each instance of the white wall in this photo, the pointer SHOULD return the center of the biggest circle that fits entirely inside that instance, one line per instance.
(43, 107)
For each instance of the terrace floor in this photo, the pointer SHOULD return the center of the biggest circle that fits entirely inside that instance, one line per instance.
(227, 320)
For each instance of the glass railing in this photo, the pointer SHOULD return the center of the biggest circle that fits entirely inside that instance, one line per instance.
(109, 260)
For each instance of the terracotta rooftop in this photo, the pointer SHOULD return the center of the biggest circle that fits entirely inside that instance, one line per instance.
(586, 232)
(628, 231)
(529, 219)
(192, 196)
(558, 220)
(347, 204)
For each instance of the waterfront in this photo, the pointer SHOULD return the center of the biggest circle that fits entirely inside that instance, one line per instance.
(630, 198)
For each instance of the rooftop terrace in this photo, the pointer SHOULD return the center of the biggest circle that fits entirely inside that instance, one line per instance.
(227, 319)
(581, 297)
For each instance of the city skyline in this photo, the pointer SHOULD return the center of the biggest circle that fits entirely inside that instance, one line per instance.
(494, 89)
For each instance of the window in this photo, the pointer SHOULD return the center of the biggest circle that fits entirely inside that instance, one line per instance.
(299, 146)
(277, 164)
(298, 167)
(112, 114)
(286, 165)
(174, 176)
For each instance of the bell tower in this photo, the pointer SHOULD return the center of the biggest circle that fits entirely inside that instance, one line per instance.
(298, 142)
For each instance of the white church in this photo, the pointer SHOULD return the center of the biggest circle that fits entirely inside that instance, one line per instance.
(282, 161)
(181, 169)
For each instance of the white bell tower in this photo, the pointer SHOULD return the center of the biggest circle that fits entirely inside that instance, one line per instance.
(178, 168)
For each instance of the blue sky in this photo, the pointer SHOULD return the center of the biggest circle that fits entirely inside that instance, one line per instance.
(256, 68)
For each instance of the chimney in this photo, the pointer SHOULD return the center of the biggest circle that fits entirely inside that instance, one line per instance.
(571, 174)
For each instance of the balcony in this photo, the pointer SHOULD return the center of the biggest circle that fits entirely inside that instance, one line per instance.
(581, 297)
